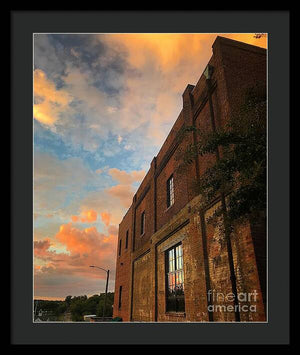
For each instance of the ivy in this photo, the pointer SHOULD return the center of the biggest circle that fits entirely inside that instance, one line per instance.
(240, 171)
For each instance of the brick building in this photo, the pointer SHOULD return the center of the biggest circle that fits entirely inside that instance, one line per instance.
(165, 242)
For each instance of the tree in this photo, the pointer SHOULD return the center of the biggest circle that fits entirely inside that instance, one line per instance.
(68, 300)
(77, 305)
(240, 171)
(61, 309)
(108, 307)
(91, 304)
(82, 305)
(77, 308)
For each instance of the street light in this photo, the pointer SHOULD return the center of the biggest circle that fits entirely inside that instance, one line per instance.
(107, 272)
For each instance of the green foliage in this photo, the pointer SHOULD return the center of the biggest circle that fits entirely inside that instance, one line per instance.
(50, 307)
(240, 171)
(91, 304)
(68, 301)
(78, 306)
(108, 307)
(82, 305)
(61, 309)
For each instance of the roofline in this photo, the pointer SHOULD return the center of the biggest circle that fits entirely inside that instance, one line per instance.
(240, 44)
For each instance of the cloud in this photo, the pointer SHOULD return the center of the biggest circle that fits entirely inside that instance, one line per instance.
(168, 50)
(90, 124)
(86, 217)
(88, 241)
(162, 66)
(75, 219)
(85, 247)
(103, 202)
(123, 192)
(126, 178)
(50, 102)
(79, 110)
(75, 53)
(41, 247)
(147, 74)
(112, 202)
(46, 57)
(158, 70)
(113, 230)
(89, 216)
(59, 182)
(106, 218)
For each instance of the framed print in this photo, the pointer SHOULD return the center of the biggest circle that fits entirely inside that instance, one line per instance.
(145, 192)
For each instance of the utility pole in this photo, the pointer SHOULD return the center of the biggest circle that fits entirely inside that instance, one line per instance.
(103, 315)
(106, 288)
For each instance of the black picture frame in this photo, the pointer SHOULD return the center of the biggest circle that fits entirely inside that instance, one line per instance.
(23, 25)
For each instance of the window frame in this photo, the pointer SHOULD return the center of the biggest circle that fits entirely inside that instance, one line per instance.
(170, 192)
(179, 308)
(120, 247)
(120, 297)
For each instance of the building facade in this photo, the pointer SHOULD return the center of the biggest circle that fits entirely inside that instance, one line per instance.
(173, 266)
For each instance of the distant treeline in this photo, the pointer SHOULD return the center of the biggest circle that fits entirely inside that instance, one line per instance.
(77, 306)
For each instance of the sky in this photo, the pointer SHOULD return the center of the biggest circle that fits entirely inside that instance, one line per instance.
(103, 106)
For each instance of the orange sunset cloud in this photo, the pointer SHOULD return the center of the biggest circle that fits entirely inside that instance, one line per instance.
(50, 102)
(169, 49)
(85, 247)
(126, 178)
(85, 217)
(106, 218)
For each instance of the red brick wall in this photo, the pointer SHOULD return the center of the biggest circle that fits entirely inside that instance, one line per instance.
(244, 67)
(123, 269)
(147, 206)
(203, 123)
(142, 285)
(164, 214)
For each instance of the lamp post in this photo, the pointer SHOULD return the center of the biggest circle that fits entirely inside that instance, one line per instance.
(106, 287)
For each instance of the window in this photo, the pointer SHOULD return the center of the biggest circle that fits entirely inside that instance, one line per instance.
(120, 297)
(170, 191)
(174, 280)
(143, 223)
(126, 240)
(120, 247)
